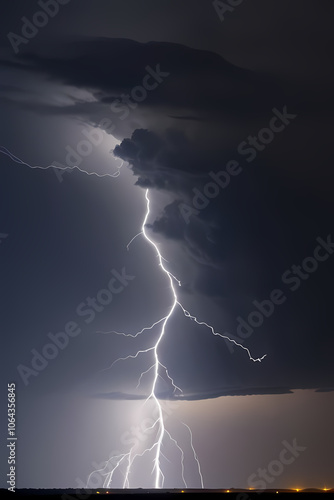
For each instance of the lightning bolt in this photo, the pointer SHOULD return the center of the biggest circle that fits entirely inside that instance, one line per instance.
(6, 152)
(162, 432)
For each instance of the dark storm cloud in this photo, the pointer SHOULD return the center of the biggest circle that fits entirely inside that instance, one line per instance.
(266, 220)
(192, 85)
(111, 65)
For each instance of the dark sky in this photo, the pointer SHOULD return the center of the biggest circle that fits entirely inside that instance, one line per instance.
(229, 127)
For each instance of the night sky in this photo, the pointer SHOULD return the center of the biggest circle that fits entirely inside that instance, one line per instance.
(225, 116)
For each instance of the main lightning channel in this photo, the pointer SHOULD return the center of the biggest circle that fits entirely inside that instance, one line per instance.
(162, 431)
